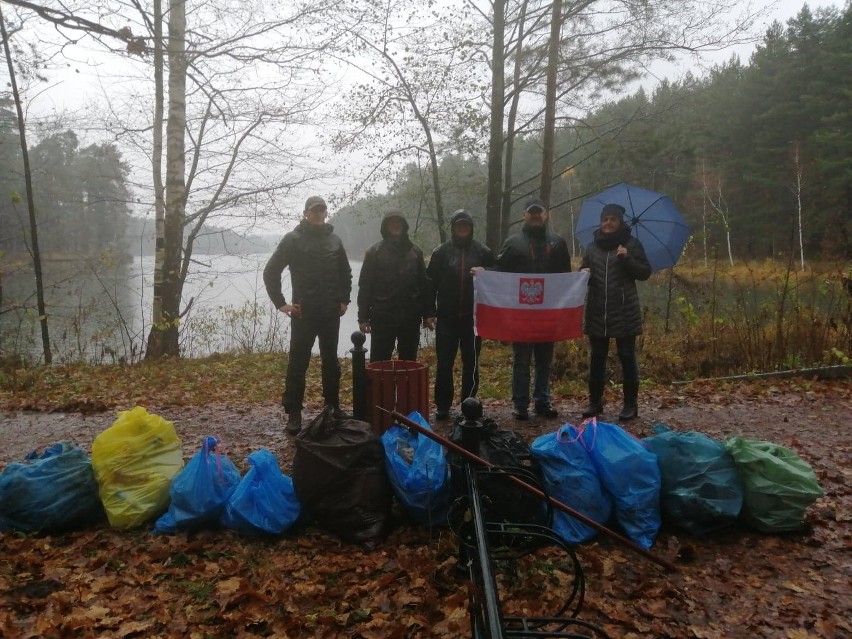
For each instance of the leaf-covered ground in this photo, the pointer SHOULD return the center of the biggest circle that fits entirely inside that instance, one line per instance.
(104, 583)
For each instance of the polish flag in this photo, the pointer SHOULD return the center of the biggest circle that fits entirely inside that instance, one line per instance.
(529, 307)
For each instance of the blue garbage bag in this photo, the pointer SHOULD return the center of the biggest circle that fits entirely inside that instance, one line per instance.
(264, 501)
(630, 473)
(200, 491)
(51, 492)
(701, 490)
(419, 473)
(570, 476)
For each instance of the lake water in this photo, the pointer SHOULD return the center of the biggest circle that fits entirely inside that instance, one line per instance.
(102, 313)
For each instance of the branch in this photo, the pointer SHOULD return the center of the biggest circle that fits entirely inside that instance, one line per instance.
(135, 44)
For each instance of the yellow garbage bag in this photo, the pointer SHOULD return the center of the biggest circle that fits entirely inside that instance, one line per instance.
(134, 461)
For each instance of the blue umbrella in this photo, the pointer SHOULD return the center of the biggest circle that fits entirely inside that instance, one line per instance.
(652, 217)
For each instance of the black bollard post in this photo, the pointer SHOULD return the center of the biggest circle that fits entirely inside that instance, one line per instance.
(359, 376)
(471, 426)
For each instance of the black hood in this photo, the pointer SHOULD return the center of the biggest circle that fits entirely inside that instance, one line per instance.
(393, 213)
(461, 216)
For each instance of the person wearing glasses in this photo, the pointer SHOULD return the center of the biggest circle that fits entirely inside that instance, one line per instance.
(321, 281)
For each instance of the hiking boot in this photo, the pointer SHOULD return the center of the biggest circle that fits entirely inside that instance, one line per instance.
(593, 409)
(596, 392)
(630, 411)
(546, 410)
(631, 405)
(294, 423)
(521, 413)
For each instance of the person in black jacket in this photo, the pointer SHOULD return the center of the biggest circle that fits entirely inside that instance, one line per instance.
(534, 250)
(393, 292)
(321, 280)
(615, 260)
(449, 271)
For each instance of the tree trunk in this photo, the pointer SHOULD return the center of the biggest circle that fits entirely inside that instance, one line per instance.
(549, 137)
(436, 184)
(28, 180)
(495, 143)
(798, 189)
(157, 165)
(163, 337)
(506, 199)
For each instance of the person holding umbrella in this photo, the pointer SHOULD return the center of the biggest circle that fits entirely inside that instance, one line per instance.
(615, 260)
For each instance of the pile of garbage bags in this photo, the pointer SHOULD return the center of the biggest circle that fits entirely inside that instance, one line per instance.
(686, 480)
(345, 479)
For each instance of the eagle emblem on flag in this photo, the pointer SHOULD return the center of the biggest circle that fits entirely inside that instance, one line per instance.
(531, 290)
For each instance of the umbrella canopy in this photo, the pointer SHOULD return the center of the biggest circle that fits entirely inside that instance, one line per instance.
(652, 217)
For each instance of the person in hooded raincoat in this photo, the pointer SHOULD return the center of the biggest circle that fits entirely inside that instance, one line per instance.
(449, 272)
(615, 261)
(393, 292)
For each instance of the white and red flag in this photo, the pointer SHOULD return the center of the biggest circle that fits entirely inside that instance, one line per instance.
(529, 307)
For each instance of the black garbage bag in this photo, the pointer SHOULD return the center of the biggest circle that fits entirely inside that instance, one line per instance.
(340, 479)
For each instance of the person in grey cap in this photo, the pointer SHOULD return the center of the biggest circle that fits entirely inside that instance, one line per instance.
(393, 292)
(615, 260)
(321, 281)
(535, 249)
(449, 272)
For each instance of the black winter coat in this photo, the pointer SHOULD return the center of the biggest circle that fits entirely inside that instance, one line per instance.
(320, 274)
(612, 303)
(449, 273)
(393, 289)
(534, 250)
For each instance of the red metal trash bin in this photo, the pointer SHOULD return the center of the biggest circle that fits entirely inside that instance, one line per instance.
(396, 385)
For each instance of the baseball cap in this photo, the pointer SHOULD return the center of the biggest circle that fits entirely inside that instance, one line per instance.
(535, 203)
(314, 201)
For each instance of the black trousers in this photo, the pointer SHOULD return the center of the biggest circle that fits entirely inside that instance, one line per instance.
(303, 333)
(626, 348)
(405, 338)
(451, 335)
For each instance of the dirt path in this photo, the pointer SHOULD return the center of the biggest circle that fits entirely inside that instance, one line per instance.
(818, 421)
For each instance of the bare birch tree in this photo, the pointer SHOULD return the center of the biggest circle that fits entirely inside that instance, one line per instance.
(251, 71)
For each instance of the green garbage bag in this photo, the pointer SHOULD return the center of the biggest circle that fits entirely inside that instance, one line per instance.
(778, 486)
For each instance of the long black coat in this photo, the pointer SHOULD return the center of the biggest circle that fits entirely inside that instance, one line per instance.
(612, 304)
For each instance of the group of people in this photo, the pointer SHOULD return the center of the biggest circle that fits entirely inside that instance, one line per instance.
(398, 293)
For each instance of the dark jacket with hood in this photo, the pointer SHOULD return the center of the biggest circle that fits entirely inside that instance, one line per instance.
(449, 270)
(393, 289)
(612, 303)
(320, 274)
(534, 250)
